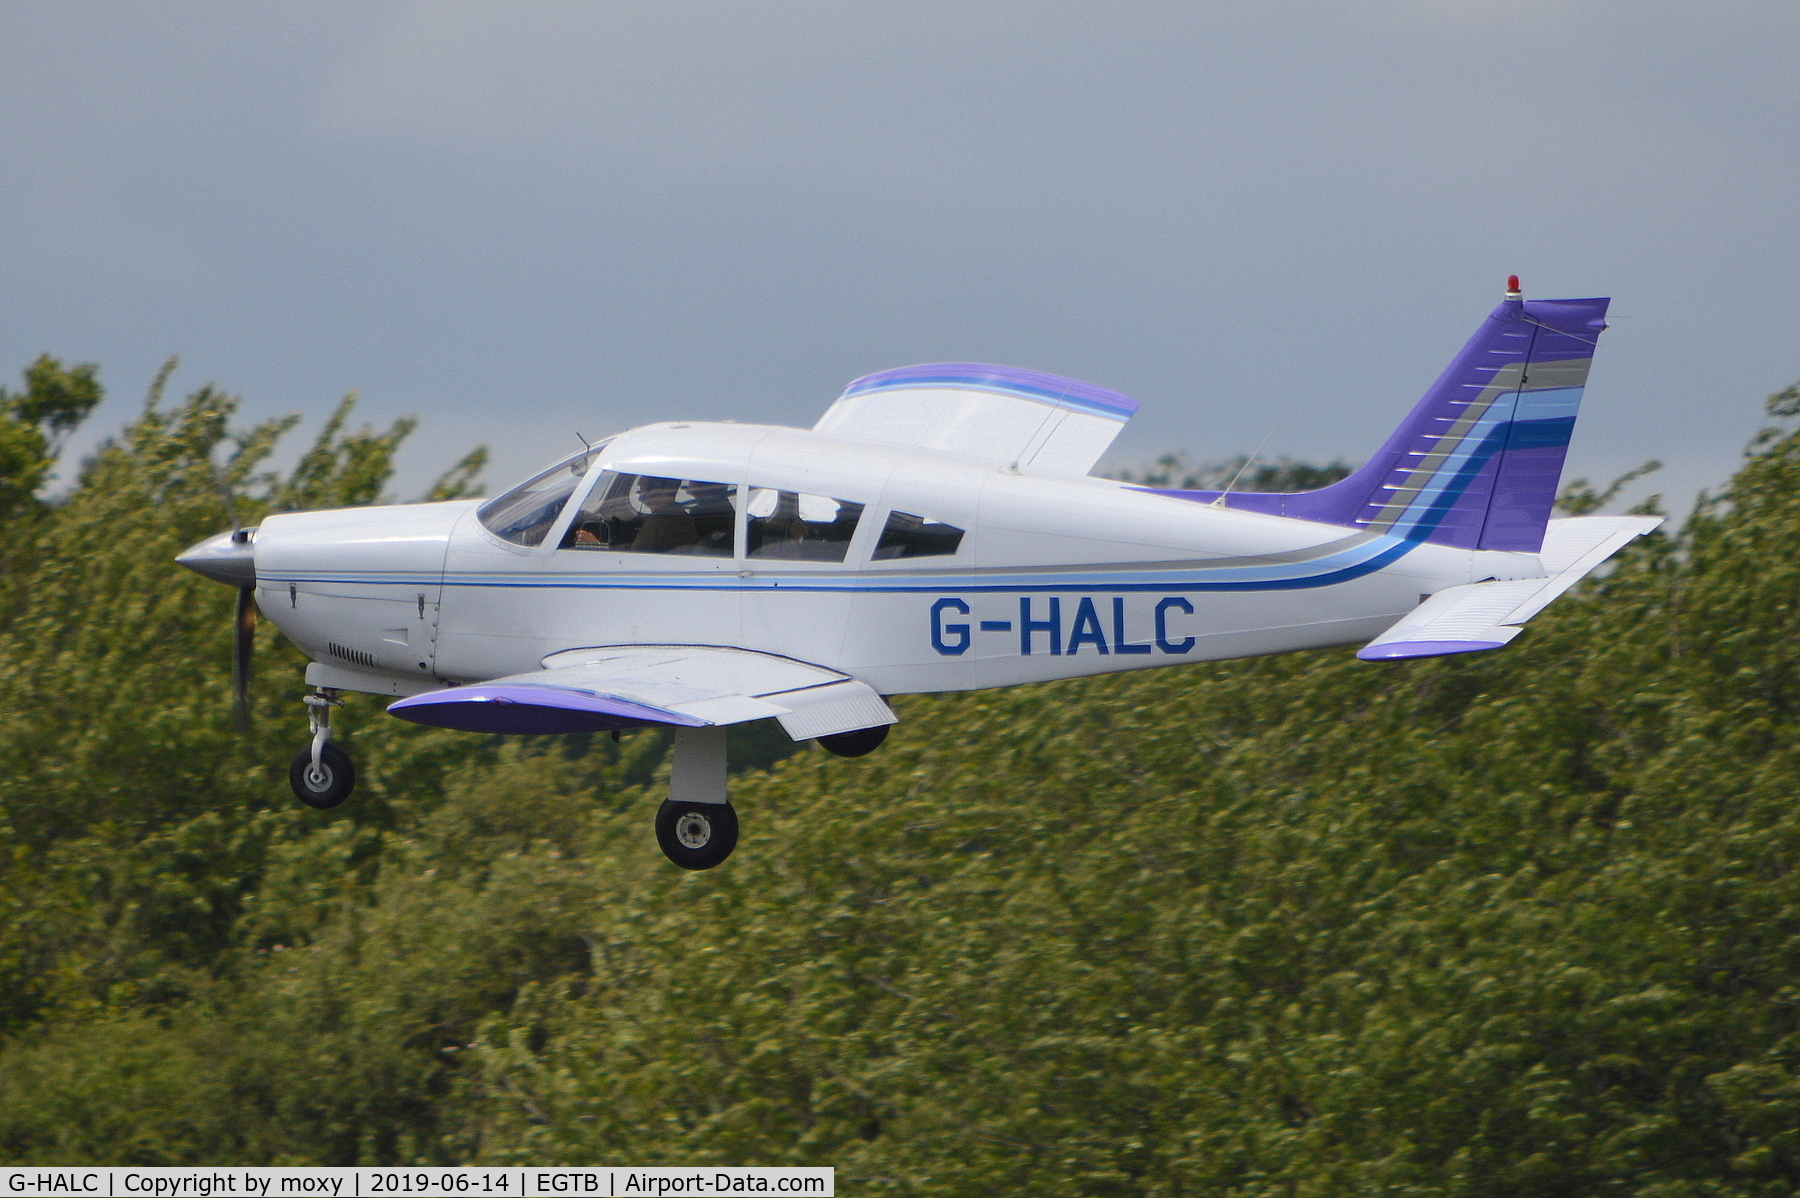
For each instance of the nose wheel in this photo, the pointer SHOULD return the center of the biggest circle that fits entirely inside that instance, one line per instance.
(325, 784)
(322, 774)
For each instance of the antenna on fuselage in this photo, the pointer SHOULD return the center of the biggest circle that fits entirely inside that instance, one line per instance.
(1220, 501)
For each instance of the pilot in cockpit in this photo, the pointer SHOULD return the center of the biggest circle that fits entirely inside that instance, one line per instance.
(649, 514)
(667, 526)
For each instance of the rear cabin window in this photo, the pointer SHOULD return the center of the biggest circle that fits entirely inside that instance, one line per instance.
(647, 513)
(798, 527)
(907, 535)
(524, 514)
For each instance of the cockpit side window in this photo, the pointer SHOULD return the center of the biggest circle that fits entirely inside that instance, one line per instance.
(524, 514)
(797, 527)
(907, 535)
(644, 513)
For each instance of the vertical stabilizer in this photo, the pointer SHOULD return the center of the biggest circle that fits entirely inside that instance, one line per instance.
(1476, 463)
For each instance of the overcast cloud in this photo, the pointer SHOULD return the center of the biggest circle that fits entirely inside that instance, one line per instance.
(525, 220)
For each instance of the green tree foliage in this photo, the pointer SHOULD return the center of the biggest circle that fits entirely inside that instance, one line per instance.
(461, 481)
(340, 471)
(1577, 498)
(34, 422)
(1520, 923)
(1241, 473)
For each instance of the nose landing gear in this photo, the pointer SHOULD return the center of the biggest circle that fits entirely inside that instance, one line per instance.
(322, 774)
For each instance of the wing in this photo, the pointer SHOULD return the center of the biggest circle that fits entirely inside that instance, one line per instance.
(1038, 423)
(630, 686)
(1486, 615)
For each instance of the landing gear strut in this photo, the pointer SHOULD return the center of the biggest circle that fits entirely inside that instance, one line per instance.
(322, 774)
(697, 827)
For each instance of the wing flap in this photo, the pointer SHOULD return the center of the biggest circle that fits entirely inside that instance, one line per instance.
(837, 707)
(1486, 615)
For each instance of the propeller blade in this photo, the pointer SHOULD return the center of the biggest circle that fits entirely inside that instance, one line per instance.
(243, 643)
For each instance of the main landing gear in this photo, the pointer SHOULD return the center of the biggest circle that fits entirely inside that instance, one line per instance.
(696, 825)
(322, 774)
(696, 835)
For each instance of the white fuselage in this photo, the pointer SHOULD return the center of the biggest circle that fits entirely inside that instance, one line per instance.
(1055, 577)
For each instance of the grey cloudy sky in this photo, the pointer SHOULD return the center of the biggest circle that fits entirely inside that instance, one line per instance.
(528, 219)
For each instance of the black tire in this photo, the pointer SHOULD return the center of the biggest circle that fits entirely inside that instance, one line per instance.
(855, 744)
(337, 777)
(696, 835)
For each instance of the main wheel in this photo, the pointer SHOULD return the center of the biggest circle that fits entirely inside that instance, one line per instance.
(333, 782)
(855, 744)
(696, 835)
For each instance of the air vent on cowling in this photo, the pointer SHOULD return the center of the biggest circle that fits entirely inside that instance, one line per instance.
(351, 655)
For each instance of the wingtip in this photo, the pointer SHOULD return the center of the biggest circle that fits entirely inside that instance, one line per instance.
(1406, 650)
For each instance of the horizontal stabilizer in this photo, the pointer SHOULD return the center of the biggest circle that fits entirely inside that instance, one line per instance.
(1038, 423)
(1458, 620)
(1486, 615)
(633, 686)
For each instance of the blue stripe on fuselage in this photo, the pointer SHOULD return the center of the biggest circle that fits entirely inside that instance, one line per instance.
(1338, 567)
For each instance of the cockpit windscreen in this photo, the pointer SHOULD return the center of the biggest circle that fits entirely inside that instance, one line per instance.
(524, 514)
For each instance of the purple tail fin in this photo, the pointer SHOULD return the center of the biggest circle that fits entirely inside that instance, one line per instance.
(1477, 462)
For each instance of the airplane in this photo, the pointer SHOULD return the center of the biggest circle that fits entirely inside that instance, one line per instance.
(936, 530)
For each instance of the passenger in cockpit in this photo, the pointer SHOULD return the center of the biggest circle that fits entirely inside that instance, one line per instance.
(784, 530)
(715, 517)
